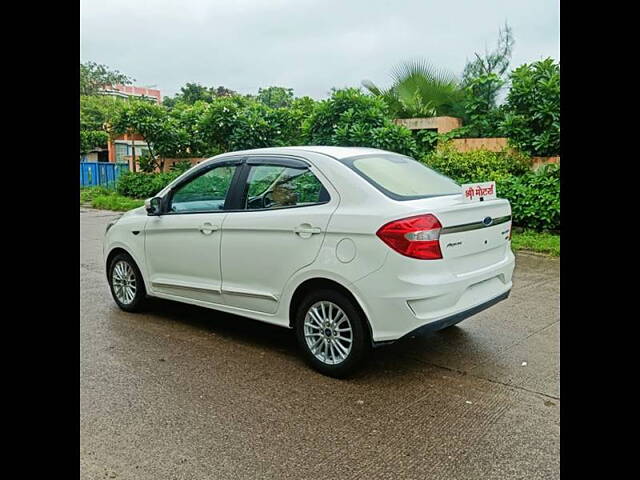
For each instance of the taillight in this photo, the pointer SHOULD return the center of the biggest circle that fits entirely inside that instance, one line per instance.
(416, 237)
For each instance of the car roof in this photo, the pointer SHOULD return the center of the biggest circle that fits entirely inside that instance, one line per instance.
(334, 152)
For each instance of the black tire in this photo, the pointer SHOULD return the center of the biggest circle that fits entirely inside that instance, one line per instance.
(361, 339)
(138, 303)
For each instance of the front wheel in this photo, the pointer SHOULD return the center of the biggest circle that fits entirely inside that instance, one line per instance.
(332, 333)
(127, 285)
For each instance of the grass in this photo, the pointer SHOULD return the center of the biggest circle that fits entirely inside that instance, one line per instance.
(105, 199)
(528, 240)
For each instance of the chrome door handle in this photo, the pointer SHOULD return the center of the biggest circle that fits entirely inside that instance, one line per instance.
(207, 229)
(305, 230)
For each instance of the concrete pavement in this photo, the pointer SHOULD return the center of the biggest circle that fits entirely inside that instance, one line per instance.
(182, 392)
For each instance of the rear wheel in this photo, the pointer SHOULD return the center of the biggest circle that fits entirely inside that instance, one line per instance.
(332, 333)
(127, 285)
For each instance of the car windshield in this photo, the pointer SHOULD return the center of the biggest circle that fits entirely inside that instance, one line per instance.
(402, 178)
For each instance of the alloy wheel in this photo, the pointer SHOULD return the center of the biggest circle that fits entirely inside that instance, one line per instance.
(328, 332)
(124, 282)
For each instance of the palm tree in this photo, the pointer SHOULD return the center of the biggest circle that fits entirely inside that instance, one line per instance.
(420, 90)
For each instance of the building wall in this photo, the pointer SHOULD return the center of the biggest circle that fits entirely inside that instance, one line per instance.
(133, 91)
(139, 91)
(495, 144)
(539, 161)
(111, 146)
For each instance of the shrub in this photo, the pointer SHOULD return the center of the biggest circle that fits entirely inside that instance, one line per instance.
(534, 197)
(394, 138)
(147, 163)
(477, 165)
(144, 185)
(426, 140)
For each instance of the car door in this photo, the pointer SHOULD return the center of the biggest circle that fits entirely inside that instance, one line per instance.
(182, 244)
(277, 227)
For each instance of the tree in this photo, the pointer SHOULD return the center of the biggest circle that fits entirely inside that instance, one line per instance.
(96, 114)
(194, 92)
(420, 90)
(493, 63)
(98, 110)
(532, 109)
(481, 116)
(275, 97)
(94, 77)
(90, 139)
(162, 134)
(351, 118)
(223, 92)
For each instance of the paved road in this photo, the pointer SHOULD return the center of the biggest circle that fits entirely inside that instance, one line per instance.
(183, 392)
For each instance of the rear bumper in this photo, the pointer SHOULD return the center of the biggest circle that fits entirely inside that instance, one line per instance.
(449, 321)
(400, 298)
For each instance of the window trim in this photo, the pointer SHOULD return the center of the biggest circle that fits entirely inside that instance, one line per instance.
(234, 195)
(348, 161)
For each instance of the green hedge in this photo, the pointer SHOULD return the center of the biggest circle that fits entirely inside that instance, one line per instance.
(477, 165)
(534, 196)
(144, 185)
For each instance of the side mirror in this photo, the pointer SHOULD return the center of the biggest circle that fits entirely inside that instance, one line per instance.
(152, 205)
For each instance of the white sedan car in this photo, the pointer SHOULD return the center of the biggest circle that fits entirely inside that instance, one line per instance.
(350, 247)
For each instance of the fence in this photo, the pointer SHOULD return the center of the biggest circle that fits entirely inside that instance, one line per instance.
(104, 174)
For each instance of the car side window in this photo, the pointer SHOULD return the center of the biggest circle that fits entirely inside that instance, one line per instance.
(277, 186)
(204, 193)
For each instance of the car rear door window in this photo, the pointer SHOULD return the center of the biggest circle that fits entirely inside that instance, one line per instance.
(278, 186)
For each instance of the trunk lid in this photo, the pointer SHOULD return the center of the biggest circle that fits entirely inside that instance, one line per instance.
(474, 235)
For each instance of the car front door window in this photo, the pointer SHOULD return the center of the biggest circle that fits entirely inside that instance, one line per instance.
(205, 193)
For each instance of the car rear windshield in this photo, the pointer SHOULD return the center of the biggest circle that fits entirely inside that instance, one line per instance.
(400, 177)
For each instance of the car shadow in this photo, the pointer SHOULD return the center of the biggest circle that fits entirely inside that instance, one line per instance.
(407, 355)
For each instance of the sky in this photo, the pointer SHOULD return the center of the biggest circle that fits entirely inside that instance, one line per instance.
(308, 45)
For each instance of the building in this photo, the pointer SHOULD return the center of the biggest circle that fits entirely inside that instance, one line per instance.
(121, 148)
(128, 91)
(96, 155)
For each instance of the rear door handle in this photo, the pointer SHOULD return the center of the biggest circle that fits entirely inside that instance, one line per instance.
(207, 228)
(305, 230)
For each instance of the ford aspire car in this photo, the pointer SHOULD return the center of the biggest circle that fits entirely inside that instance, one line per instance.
(350, 247)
